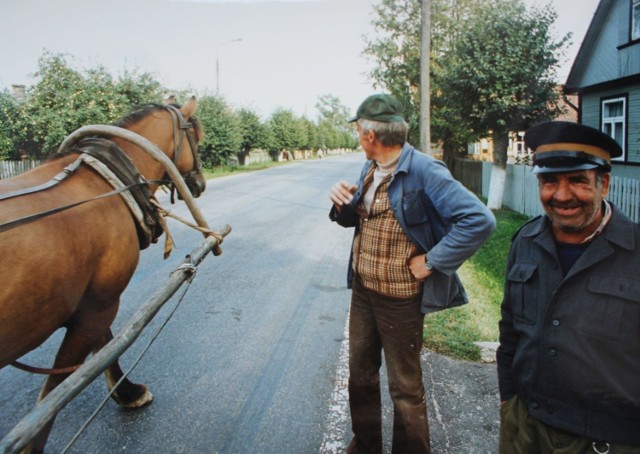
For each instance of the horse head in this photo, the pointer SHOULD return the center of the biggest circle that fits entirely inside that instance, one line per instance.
(176, 131)
(187, 134)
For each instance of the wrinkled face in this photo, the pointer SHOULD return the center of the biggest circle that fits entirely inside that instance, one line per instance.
(366, 140)
(573, 202)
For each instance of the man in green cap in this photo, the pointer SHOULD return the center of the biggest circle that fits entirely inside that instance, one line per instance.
(414, 226)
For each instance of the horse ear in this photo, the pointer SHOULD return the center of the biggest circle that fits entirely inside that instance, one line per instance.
(189, 108)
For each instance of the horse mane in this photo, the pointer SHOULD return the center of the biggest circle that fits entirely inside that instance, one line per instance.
(138, 114)
(142, 111)
(132, 118)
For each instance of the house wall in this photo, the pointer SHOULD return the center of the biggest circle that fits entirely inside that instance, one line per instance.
(610, 58)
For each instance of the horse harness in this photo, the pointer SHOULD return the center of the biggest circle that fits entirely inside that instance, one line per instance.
(109, 161)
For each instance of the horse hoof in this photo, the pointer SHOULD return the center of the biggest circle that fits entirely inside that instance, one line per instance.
(143, 400)
(132, 396)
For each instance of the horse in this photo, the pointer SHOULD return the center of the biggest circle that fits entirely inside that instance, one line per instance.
(67, 267)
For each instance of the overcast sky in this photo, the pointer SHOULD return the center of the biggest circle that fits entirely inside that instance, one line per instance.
(290, 52)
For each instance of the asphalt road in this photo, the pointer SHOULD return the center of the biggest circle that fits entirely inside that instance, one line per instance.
(253, 359)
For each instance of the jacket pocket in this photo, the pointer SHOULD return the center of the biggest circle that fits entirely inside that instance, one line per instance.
(414, 211)
(522, 292)
(613, 285)
(612, 308)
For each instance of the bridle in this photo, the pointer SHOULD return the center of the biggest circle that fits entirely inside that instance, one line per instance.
(182, 128)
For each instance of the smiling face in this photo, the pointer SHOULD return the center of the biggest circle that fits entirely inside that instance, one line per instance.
(573, 202)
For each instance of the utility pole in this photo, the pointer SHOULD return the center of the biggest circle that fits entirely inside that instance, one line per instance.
(425, 84)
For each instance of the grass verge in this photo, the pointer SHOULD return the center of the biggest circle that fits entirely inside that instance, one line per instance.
(221, 171)
(453, 332)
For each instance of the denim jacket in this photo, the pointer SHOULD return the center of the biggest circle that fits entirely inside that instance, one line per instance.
(438, 214)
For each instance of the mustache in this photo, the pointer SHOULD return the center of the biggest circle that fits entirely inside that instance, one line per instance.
(565, 205)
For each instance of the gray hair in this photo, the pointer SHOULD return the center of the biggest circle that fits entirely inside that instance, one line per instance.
(388, 133)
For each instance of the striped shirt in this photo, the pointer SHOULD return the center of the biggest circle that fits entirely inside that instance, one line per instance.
(381, 248)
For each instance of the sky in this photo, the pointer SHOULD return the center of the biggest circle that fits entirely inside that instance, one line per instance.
(269, 54)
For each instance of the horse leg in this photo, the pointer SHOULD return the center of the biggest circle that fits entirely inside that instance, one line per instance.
(74, 349)
(127, 394)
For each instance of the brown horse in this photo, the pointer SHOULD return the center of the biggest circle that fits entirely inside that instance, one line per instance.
(68, 269)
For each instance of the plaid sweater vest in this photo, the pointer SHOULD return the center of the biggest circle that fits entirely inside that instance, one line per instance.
(382, 250)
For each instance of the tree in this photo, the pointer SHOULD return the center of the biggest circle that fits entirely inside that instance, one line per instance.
(284, 133)
(222, 131)
(253, 132)
(396, 51)
(9, 129)
(500, 76)
(64, 99)
(333, 111)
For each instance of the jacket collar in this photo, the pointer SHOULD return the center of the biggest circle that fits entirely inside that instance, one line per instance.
(619, 231)
(404, 163)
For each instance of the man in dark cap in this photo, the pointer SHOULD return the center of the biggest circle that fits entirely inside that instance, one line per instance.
(569, 354)
(414, 226)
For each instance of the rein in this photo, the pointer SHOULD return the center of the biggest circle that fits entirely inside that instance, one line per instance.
(59, 178)
(33, 217)
(43, 371)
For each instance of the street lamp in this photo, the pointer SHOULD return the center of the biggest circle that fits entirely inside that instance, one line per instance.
(218, 62)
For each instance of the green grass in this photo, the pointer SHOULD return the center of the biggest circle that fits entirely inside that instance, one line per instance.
(453, 332)
(221, 171)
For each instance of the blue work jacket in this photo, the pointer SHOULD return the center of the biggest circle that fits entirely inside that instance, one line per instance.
(438, 214)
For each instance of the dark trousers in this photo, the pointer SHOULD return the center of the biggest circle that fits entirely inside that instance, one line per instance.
(378, 323)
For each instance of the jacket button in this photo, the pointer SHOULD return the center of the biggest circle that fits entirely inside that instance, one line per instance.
(552, 352)
(555, 322)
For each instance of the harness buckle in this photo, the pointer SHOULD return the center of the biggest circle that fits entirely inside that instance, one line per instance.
(601, 444)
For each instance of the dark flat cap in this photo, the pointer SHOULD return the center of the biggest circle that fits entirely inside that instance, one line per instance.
(562, 146)
(380, 107)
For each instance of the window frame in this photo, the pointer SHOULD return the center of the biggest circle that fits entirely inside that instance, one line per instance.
(612, 121)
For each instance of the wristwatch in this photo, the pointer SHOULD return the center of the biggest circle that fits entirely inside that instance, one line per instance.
(427, 265)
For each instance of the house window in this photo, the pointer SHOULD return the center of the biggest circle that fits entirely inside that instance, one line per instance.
(635, 20)
(614, 121)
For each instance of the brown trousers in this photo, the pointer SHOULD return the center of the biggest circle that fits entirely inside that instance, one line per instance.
(378, 323)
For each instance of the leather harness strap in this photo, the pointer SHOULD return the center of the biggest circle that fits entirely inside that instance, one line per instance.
(44, 371)
(15, 223)
(67, 171)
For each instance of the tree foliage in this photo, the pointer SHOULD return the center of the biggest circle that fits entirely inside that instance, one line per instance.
(396, 51)
(11, 133)
(500, 75)
(64, 99)
(497, 46)
(222, 133)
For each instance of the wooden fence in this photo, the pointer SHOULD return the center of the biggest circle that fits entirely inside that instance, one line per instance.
(521, 188)
(10, 169)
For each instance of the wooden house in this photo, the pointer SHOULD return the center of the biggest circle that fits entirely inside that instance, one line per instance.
(606, 78)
